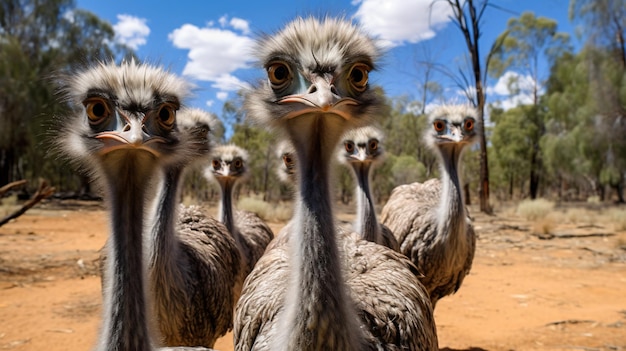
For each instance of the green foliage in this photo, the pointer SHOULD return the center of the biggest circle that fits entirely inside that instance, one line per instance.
(525, 41)
(39, 39)
(406, 169)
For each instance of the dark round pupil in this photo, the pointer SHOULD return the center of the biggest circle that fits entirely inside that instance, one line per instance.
(164, 114)
(280, 72)
(357, 75)
(98, 109)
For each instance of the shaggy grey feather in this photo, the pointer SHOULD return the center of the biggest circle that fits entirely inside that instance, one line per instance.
(229, 167)
(318, 288)
(362, 151)
(430, 220)
(123, 130)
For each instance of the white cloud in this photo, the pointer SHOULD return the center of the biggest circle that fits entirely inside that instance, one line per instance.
(512, 89)
(223, 20)
(228, 82)
(395, 22)
(222, 95)
(214, 53)
(131, 30)
(240, 24)
(210, 103)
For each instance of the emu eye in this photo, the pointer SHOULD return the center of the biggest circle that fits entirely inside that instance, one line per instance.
(287, 159)
(238, 163)
(166, 116)
(216, 164)
(373, 145)
(279, 74)
(349, 146)
(468, 124)
(358, 77)
(97, 110)
(439, 126)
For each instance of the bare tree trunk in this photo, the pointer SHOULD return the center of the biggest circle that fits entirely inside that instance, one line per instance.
(466, 189)
(471, 33)
(266, 172)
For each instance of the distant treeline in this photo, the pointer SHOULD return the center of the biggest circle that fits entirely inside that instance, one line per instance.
(568, 142)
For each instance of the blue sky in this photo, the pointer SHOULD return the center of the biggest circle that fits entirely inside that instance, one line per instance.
(209, 41)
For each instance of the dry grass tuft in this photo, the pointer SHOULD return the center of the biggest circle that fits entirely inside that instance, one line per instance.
(267, 211)
(545, 225)
(617, 216)
(533, 210)
(580, 216)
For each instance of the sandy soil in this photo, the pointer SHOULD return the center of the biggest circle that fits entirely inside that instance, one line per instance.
(561, 291)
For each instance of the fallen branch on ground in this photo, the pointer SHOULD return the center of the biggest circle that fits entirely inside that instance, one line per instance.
(549, 236)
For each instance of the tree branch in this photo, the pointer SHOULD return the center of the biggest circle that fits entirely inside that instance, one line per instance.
(43, 192)
(11, 185)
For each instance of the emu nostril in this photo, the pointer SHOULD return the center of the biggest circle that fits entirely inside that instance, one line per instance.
(312, 89)
(333, 90)
(126, 128)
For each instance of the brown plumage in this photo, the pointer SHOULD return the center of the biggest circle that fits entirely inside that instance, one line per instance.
(362, 151)
(430, 220)
(228, 167)
(123, 130)
(195, 270)
(322, 289)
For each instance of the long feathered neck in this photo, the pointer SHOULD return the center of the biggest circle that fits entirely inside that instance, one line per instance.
(366, 223)
(316, 277)
(451, 207)
(226, 207)
(226, 215)
(165, 250)
(125, 313)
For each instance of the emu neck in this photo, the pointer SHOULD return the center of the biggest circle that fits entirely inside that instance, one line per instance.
(164, 240)
(319, 315)
(365, 223)
(226, 207)
(451, 207)
(227, 217)
(125, 313)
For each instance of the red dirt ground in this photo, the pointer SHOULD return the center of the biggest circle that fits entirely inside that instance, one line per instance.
(561, 291)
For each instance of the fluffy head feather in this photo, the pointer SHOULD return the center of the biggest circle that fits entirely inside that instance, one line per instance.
(451, 125)
(362, 145)
(132, 93)
(286, 154)
(227, 161)
(306, 53)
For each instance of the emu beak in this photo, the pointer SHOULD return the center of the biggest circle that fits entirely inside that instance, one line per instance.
(321, 96)
(132, 136)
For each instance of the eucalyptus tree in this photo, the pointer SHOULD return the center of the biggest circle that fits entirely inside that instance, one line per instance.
(528, 43)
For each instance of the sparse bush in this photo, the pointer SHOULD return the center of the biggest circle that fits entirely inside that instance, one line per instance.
(544, 225)
(593, 200)
(267, 211)
(617, 216)
(535, 209)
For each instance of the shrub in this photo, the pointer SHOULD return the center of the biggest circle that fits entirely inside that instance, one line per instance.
(267, 211)
(617, 216)
(535, 209)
